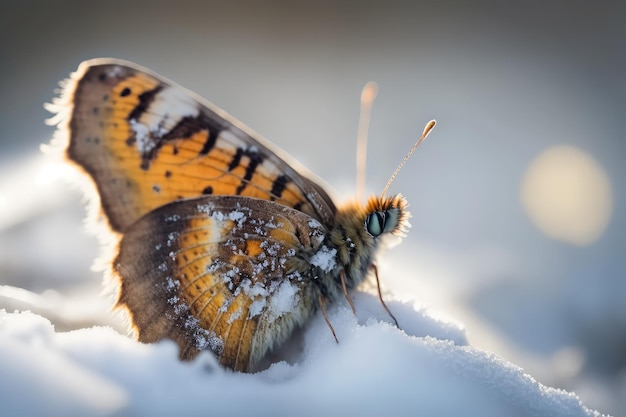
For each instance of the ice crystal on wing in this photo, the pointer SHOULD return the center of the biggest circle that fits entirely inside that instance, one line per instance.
(283, 300)
(173, 218)
(237, 217)
(314, 224)
(180, 308)
(224, 307)
(236, 315)
(202, 337)
(213, 267)
(171, 284)
(171, 238)
(218, 215)
(324, 258)
(257, 307)
(273, 250)
(205, 208)
(316, 231)
(294, 275)
(273, 224)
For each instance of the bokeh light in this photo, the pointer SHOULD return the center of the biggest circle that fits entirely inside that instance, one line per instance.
(567, 195)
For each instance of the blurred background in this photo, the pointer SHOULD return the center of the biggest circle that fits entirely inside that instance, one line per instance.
(517, 197)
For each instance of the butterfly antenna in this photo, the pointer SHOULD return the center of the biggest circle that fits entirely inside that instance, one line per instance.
(367, 99)
(427, 129)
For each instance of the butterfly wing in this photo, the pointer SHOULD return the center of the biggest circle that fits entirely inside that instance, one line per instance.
(230, 274)
(146, 142)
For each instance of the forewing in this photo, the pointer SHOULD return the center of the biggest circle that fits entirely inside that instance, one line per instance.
(228, 274)
(146, 142)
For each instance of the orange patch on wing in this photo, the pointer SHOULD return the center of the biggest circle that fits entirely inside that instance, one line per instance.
(253, 248)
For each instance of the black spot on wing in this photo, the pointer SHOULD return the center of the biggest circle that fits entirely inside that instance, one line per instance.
(234, 163)
(255, 159)
(145, 99)
(279, 184)
(210, 141)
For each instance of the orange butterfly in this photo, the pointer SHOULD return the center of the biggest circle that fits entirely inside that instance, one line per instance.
(226, 243)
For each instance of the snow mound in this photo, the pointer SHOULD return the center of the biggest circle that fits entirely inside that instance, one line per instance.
(376, 369)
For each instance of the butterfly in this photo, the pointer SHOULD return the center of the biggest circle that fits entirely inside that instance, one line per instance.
(225, 243)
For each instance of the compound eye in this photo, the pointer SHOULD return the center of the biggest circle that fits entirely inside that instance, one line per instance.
(391, 220)
(375, 223)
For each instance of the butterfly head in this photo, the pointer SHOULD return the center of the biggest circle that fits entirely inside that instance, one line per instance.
(386, 215)
(362, 229)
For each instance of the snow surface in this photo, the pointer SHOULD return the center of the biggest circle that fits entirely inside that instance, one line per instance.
(376, 369)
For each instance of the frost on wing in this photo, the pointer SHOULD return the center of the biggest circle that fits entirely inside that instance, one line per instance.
(324, 258)
(253, 262)
(284, 300)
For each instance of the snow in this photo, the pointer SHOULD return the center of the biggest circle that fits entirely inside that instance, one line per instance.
(324, 258)
(376, 369)
(284, 300)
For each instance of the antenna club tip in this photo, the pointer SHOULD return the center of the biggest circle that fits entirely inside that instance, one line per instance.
(369, 93)
(429, 126)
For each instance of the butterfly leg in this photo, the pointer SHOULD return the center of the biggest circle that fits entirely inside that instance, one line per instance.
(330, 326)
(380, 296)
(342, 274)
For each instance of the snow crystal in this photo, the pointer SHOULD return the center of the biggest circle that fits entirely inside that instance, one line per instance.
(316, 231)
(283, 300)
(271, 225)
(203, 338)
(171, 238)
(314, 224)
(214, 267)
(236, 315)
(324, 258)
(173, 218)
(180, 309)
(295, 275)
(273, 249)
(205, 208)
(257, 307)
(171, 284)
(236, 215)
